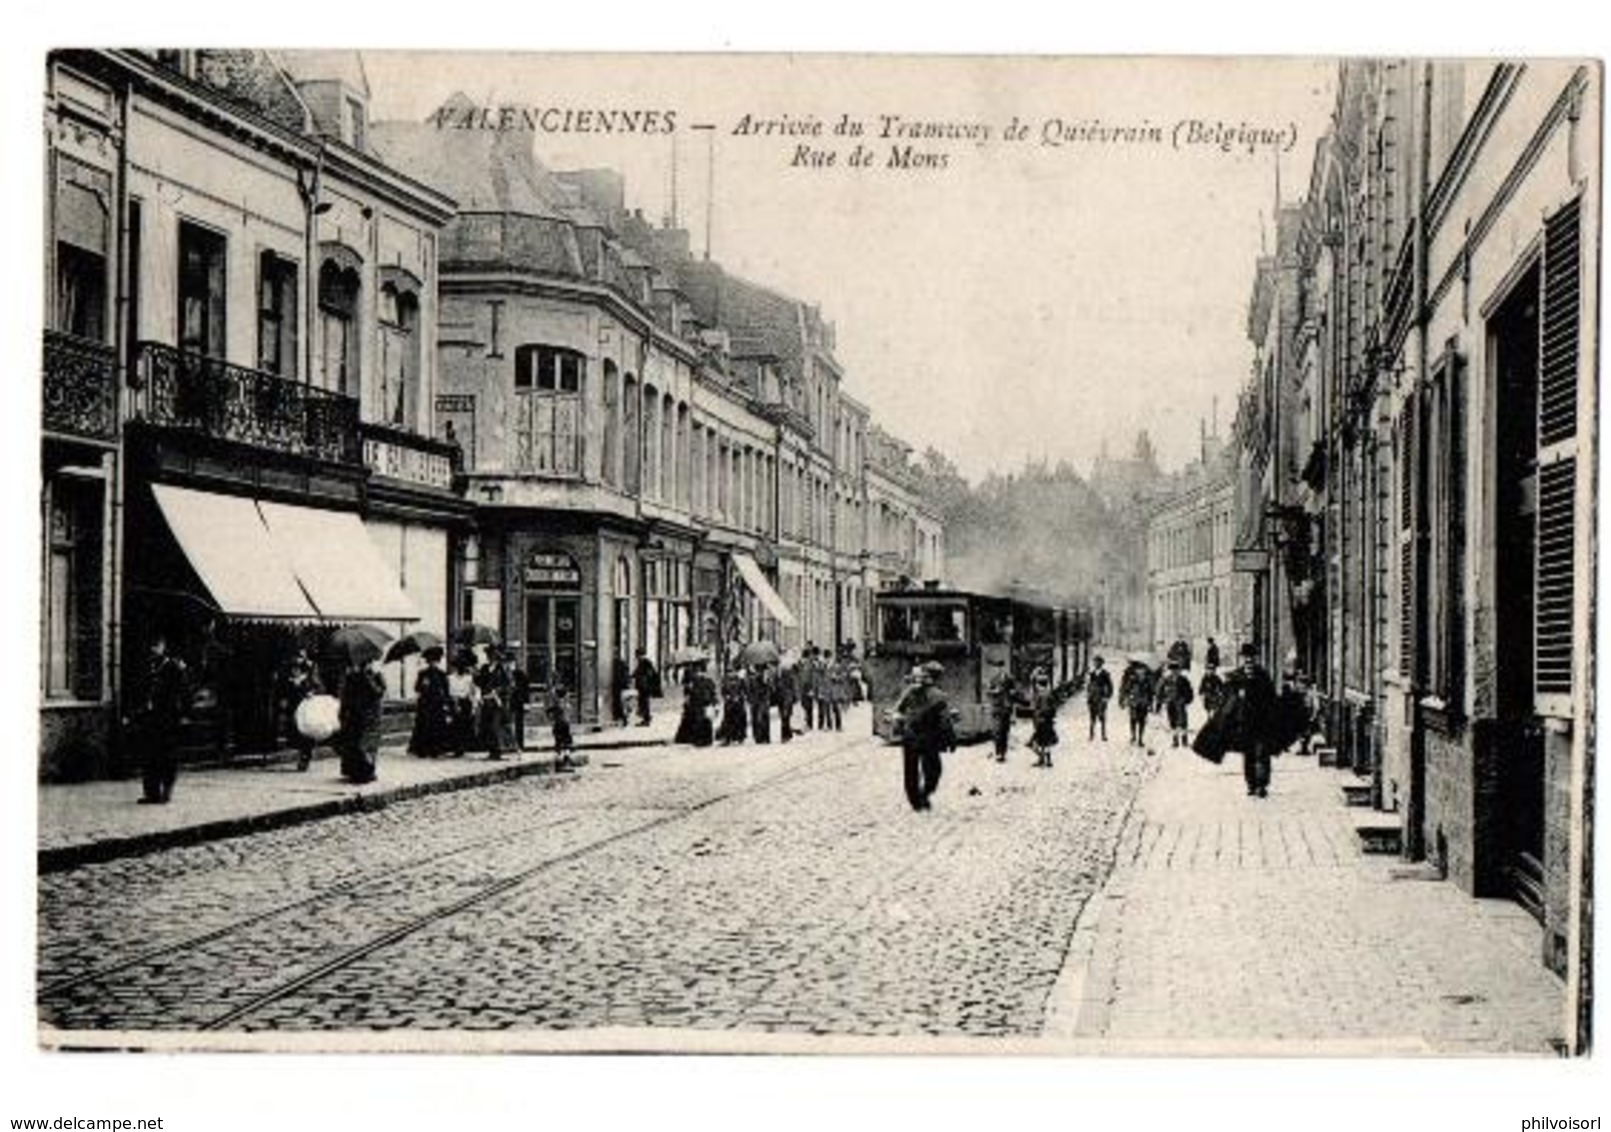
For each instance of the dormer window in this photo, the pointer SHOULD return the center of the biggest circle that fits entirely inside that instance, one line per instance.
(355, 124)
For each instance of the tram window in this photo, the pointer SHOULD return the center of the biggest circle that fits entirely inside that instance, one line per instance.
(942, 625)
(895, 627)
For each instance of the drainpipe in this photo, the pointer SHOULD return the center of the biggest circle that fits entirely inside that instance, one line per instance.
(126, 338)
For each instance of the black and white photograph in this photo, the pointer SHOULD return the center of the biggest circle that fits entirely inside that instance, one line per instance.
(1072, 556)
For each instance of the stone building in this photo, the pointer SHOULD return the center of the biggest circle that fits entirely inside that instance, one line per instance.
(239, 372)
(1190, 584)
(1441, 406)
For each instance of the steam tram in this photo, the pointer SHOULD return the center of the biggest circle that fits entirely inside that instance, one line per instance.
(974, 636)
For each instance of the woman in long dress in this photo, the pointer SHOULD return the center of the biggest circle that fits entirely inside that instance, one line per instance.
(433, 712)
(362, 691)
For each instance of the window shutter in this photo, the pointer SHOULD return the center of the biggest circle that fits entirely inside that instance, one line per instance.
(1559, 337)
(1406, 539)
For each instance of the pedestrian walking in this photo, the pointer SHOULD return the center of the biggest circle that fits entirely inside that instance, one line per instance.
(299, 681)
(786, 693)
(519, 696)
(556, 707)
(1174, 696)
(1136, 694)
(620, 681)
(462, 698)
(494, 682)
(810, 684)
(160, 703)
(1043, 710)
(833, 690)
(1249, 717)
(927, 729)
(1180, 653)
(433, 708)
(363, 690)
(1211, 654)
(758, 693)
(735, 718)
(646, 683)
(698, 697)
(1098, 691)
(1003, 695)
(1211, 689)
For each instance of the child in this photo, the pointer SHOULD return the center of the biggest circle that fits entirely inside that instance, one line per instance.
(559, 720)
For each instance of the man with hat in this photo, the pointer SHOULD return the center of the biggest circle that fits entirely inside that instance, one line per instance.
(926, 731)
(1003, 694)
(1174, 696)
(1250, 712)
(1098, 691)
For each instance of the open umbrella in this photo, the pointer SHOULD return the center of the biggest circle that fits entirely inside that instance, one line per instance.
(410, 643)
(473, 634)
(686, 656)
(757, 653)
(358, 644)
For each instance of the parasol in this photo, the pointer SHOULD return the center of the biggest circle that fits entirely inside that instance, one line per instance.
(358, 644)
(687, 656)
(757, 653)
(409, 644)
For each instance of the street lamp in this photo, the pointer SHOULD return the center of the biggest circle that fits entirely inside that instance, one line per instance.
(309, 189)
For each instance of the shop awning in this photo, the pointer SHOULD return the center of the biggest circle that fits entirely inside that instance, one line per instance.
(337, 564)
(762, 589)
(234, 554)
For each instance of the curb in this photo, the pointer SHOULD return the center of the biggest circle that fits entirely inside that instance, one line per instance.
(68, 857)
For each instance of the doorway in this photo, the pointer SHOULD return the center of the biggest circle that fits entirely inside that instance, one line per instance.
(1513, 341)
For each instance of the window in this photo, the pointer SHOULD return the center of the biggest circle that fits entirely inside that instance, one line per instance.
(201, 290)
(338, 330)
(548, 411)
(1445, 551)
(82, 223)
(276, 315)
(355, 123)
(399, 356)
(72, 661)
(611, 457)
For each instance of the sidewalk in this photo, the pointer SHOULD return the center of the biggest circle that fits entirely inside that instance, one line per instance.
(100, 821)
(1233, 924)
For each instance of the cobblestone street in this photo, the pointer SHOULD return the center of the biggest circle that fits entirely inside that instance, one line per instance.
(784, 888)
(1122, 900)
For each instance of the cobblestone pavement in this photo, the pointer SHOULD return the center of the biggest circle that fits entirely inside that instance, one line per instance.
(1247, 923)
(786, 888)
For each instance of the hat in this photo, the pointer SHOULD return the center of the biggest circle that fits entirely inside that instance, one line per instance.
(432, 653)
(1247, 650)
(933, 669)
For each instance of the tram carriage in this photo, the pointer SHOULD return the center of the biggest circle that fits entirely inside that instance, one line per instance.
(974, 637)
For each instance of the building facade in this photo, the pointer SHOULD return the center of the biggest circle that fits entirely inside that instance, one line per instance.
(1190, 583)
(1417, 452)
(239, 370)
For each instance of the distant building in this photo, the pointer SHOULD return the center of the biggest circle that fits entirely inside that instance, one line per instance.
(1190, 584)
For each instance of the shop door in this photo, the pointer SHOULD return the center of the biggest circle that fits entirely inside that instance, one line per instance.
(553, 640)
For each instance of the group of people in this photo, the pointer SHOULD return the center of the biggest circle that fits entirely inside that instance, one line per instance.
(641, 683)
(475, 703)
(818, 682)
(1006, 697)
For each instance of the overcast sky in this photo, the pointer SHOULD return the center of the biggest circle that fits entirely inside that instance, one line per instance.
(1027, 300)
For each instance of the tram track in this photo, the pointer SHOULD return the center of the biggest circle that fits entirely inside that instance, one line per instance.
(326, 904)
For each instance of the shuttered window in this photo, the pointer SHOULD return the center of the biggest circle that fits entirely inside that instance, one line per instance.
(1559, 339)
(1406, 539)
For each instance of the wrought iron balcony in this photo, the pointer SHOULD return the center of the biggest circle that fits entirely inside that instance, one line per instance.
(80, 388)
(204, 395)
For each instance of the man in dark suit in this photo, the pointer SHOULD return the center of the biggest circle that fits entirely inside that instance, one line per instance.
(1250, 707)
(646, 683)
(159, 707)
(927, 729)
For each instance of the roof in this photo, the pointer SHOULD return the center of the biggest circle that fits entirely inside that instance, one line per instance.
(345, 67)
(484, 170)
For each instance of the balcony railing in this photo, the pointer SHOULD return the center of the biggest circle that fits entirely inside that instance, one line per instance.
(80, 391)
(409, 457)
(204, 395)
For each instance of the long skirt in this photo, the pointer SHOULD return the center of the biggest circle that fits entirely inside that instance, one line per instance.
(694, 727)
(735, 722)
(1045, 734)
(360, 753)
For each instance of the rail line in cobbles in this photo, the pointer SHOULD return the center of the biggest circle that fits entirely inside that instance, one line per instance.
(183, 982)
